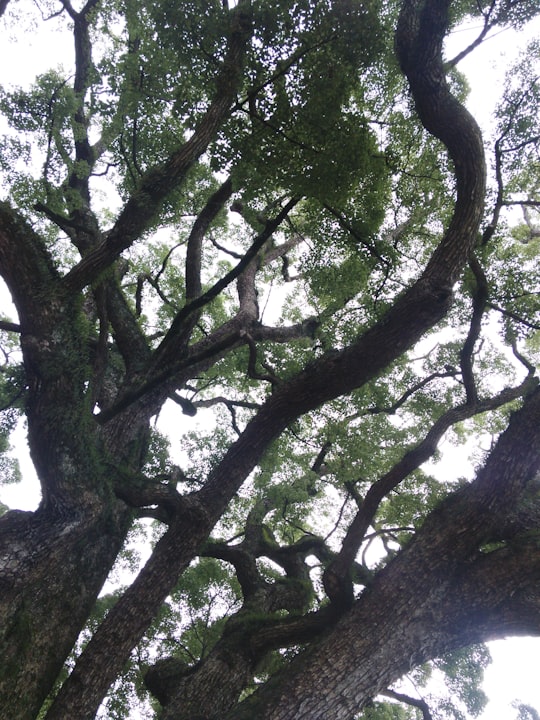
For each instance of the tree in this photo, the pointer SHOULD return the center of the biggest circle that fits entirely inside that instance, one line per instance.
(275, 216)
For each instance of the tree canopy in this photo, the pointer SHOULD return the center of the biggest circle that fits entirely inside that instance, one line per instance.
(276, 225)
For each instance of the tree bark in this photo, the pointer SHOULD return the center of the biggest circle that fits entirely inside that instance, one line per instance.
(444, 591)
(417, 310)
(3, 6)
(55, 560)
(50, 575)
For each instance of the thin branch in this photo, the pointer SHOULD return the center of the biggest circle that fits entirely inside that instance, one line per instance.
(519, 318)
(284, 67)
(220, 400)
(514, 148)
(169, 345)
(346, 225)
(213, 206)
(480, 296)
(223, 249)
(408, 700)
(489, 230)
(526, 203)
(531, 369)
(391, 409)
(166, 260)
(252, 365)
(488, 25)
(335, 579)
(153, 282)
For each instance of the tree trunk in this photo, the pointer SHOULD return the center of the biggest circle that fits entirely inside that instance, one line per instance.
(440, 593)
(53, 562)
(52, 571)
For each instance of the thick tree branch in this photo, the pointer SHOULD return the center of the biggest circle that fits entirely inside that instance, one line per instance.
(425, 303)
(158, 182)
(25, 265)
(336, 582)
(441, 593)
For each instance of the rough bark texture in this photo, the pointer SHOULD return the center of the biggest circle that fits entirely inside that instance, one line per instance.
(440, 593)
(54, 562)
(40, 618)
(430, 599)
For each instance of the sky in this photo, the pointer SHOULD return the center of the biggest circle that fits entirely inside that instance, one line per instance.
(514, 672)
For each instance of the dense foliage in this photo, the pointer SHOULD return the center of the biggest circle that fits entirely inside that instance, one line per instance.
(259, 271)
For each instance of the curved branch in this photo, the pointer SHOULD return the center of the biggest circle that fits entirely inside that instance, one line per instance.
(194, 247)
(336, 582)
(408, 700)
(419, 41)
(480, 297)
(441, 593)
(158, 182)
(419, 37)
(169, 346)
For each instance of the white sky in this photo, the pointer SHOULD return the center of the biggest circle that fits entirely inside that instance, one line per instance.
(514, 672)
